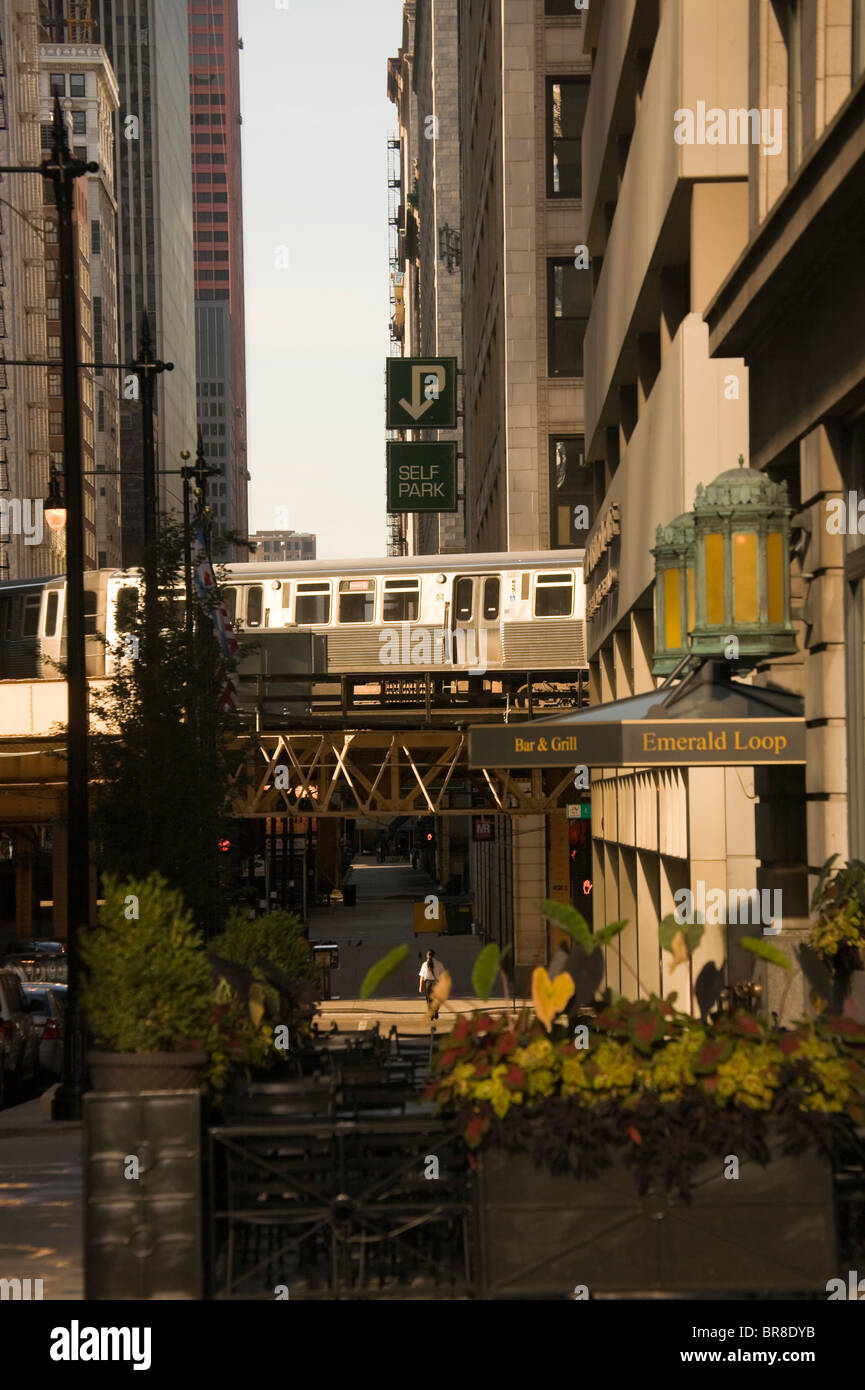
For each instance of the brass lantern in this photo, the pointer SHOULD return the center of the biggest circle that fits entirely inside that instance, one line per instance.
(742, 576)
(674, 592)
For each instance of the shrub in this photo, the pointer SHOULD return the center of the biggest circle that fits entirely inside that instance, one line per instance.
(148, 986)
(276, 937)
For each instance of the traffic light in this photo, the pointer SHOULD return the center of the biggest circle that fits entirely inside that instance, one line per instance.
(224, 845)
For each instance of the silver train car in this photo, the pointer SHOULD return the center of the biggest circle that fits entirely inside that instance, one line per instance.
(443, 613)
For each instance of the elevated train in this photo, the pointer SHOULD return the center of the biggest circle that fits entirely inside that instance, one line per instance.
(463, 615)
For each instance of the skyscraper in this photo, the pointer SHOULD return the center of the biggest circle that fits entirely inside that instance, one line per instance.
(218, 210)
(147, 42)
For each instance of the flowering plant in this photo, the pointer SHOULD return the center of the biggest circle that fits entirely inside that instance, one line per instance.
(643, 1081)
(838, 934)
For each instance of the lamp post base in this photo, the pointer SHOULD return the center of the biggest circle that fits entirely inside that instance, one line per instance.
(68, 1101)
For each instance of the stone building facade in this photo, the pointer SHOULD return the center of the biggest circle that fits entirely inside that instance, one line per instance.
(24, 440)
(723, 324)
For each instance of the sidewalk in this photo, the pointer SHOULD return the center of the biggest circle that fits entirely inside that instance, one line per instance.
(409, 1016)
(41, 1204)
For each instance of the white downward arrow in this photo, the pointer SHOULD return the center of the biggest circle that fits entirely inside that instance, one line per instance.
(418, 405)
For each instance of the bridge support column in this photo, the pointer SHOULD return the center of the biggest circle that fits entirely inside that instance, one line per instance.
(24, 883)
(59, 841)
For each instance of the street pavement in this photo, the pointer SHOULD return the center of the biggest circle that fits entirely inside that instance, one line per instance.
(41, 1208)
(41, 1170)
(382, 919)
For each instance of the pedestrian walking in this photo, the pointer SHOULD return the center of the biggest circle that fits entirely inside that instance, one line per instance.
(430, 971)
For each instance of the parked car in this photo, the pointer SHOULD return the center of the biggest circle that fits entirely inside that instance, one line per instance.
(42, 947)
(40, 960)
(47, 1006)
(19, 1041)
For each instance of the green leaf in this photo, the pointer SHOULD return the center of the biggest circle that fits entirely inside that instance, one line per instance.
(824, 873)
(485, 969)
(571, 921)
(670, 928)
(606, 934)
(667, 929)
(763, 951)
(382, 968)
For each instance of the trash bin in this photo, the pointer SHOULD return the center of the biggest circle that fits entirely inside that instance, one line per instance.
(459, 910)
(349, 895)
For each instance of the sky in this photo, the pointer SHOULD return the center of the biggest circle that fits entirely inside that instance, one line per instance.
(316, 120)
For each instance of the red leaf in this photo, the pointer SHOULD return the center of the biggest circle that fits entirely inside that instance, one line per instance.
(748, 1026)
(633, 1133)
(475, 1130)
(462, 1028)
(485, 1024)
(789, 1043)
(505, 1043)
(515, 1076)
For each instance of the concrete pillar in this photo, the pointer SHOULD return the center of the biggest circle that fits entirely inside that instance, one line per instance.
(707, 835)
(23, 850)
(825, 730)
(59, 841)
(530, 883)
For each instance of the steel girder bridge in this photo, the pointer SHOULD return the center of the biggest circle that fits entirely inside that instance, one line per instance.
(297, 769)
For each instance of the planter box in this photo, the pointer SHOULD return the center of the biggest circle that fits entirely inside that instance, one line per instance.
(143, 1236)
(141, 1072)
(772, 1230)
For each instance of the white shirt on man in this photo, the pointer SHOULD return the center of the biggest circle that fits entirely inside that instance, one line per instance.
(430, 970)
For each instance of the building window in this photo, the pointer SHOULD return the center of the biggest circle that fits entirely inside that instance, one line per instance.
(53, 345)
(52, 308)
(570, 490)
(76, 84)
(55, 422)
(47, 132)
(58, 84)
(100, 412)
(54, 384)
(560, 7)
(95, 236)
(569, 298)
(79, 122)
(97, 331)
(566, 112)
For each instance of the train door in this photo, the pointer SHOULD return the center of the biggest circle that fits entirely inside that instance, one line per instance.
(476, 621)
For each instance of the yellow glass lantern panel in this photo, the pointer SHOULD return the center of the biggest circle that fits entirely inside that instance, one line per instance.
(713, 550)
(745, 593)
(690, 575)
(672, 611)
(775, 575)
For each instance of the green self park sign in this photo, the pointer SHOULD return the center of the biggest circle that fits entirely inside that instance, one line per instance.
(421, 477)
(421, 393)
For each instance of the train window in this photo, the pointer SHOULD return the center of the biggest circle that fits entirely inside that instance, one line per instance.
(51, 613)
(126, 608)
(401, 602)
(254, 605)
(229, 599)
(312, 603)
(356, 600)
(30, 616)
(491, 597)
(463, 590)
(91, 600)
(554, 595)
